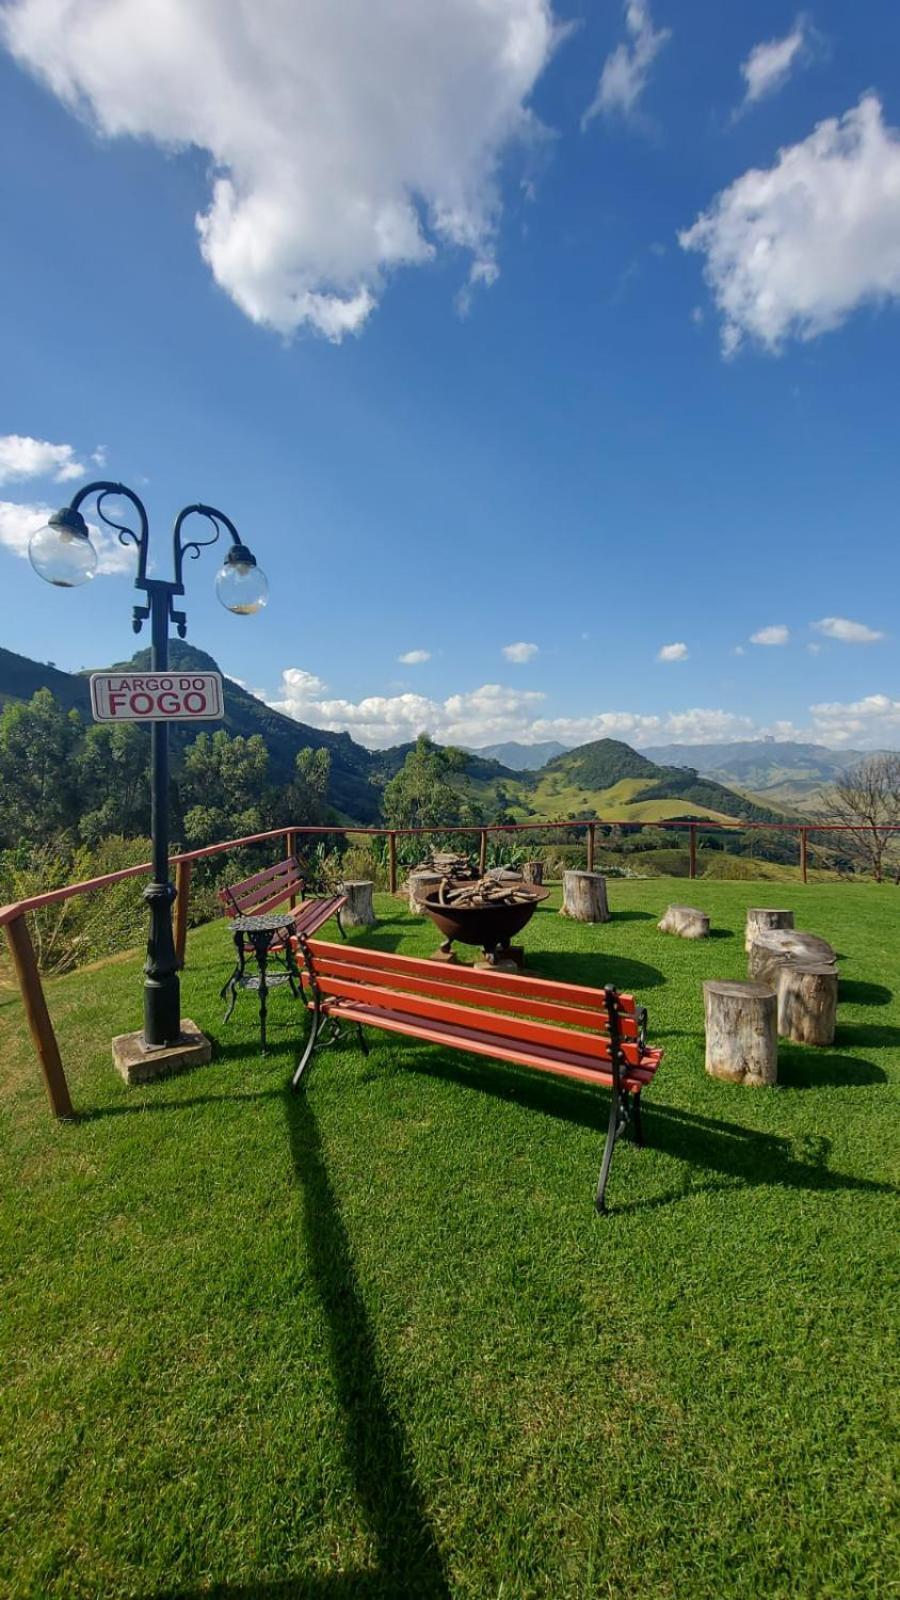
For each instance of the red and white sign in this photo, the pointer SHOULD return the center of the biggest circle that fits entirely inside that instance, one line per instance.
(157, 697)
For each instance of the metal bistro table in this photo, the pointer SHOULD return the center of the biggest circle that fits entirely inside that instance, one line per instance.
(261, 933)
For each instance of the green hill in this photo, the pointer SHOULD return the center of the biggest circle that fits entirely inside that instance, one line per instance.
(609, 779)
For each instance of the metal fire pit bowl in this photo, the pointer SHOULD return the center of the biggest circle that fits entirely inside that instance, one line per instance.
(491, 926)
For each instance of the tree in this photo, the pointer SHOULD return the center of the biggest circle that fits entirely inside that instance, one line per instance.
(309, 791)
(114, 781)
(224, 788)
(419, 796)
(38, 779)
(868, 798)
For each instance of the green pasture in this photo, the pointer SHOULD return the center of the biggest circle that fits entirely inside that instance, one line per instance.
(374, 1340)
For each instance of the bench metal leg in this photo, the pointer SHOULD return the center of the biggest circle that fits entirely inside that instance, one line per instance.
(232, 986)
(363, 1041)
(337, 918)
(636, 1120)
(307, 1055)
(618, 1116)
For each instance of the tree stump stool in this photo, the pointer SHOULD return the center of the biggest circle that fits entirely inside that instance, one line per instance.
(807, 1002)
(358, 912)
(686, 921)
(774, 948)
(533, 872)
(741, 1031)
(418, 885)
(584, 897)
(762, 917)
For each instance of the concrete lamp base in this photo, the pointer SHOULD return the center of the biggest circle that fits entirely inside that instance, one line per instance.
(138, 1064)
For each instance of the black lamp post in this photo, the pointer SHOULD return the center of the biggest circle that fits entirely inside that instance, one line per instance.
(62, 554)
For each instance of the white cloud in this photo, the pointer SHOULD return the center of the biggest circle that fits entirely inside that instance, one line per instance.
(23, 457)
(777, 634)
(19, 522)
(346, 140)
(480, 716)
(769, 65)
(793, 249)
(847, 632)
(869, 723)
(813, 648)
(739, 650)
(521, 652)
(98, 456)
(626, 71)
(494, 712)
(414, 658)
(673, 652)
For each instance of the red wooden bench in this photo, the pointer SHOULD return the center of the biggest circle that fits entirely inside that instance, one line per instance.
(595, 1036)
(260, 896)
(267, 890)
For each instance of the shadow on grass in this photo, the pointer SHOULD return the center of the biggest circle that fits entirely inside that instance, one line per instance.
(742, 1155)
(854, 992)
(378, 937)
(811, 1068)
(633, 916)
(595, 969)
(867, 1035)
(376, 1447)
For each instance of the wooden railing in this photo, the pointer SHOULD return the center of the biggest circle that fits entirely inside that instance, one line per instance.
(13, 917)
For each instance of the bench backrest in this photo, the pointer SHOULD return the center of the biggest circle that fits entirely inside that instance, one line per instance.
(542, 1011)
(264, 891)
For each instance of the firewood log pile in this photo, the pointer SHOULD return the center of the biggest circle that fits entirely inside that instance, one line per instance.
(489, 891)
(450, 865)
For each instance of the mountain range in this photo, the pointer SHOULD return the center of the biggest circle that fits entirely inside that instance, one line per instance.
(781, 772)
(606, 777)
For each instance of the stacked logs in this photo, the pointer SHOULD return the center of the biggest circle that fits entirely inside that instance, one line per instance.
(450, 865)
(489, 891)
(801, 969)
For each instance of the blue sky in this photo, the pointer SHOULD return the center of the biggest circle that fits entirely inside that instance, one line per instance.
(454, 351)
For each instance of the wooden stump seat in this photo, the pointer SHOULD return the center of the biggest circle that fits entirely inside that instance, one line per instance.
(584, 897)
(741, 1031)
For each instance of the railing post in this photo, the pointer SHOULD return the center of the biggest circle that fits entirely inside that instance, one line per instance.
(693, 850)
(182, 903)
(40, 1026)
(392, 862)
(290, 849)
(482, 853)
(590, 847)
(804, 860)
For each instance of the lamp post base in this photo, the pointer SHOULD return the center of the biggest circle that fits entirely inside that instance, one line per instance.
(138, 1062)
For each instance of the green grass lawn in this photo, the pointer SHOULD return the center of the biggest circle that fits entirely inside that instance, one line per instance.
(374, 1340)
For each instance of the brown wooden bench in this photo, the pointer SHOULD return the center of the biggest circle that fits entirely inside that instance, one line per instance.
(258, 897)
(267, 890)
(595, 1036)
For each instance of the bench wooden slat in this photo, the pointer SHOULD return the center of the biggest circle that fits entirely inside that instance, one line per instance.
(566, 1063)
(498, 1026)
(262, 891)
(287, 867)
(313, 914)
(345, 966)
(495, 982)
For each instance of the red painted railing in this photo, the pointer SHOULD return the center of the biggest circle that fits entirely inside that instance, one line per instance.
(13, 917)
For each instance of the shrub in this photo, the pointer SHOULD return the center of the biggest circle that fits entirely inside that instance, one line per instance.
(88, 926)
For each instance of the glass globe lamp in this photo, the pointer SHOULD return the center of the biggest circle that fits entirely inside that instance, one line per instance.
(61, 552)
(241, 585)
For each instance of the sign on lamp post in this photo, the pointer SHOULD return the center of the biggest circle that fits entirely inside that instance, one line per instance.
(157, 697)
